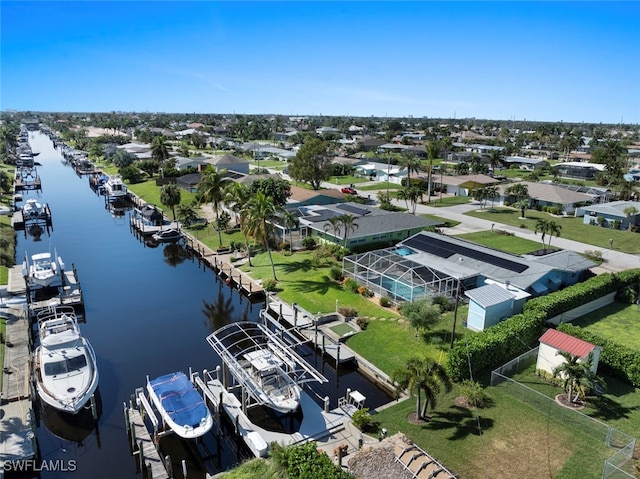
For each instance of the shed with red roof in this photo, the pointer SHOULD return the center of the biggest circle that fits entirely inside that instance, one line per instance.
(553, 341)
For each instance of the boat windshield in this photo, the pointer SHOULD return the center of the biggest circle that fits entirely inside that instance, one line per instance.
(66, 366)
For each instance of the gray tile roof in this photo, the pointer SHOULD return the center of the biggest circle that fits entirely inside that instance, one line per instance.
(614, 208)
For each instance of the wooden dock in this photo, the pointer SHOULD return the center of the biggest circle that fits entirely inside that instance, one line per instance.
(16, 284)
(16, 380)
(306, 325)
(144, 447)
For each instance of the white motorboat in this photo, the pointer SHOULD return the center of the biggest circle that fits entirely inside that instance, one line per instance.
(168, 235)
(34, 210)
(181, 406)
(114, 187)
(274, 386)
(44, 270)
(65, 362)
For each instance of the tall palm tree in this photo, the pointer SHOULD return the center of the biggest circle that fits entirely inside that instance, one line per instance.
(491, 193)
(520, 192)
(411, 163)
(348, 222)
(433, 148)
(258, 218)
(423, 375)
(170, 197)
(547, 227)
(210, 190)
(235, 196)
(495, 159)
(160, 150)
(290, 221)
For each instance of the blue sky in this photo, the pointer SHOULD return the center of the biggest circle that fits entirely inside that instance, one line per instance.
(548, 61)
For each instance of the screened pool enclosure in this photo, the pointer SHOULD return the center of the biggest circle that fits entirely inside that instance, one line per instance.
(390, 272)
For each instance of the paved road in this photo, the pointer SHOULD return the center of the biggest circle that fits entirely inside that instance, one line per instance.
(613, 260)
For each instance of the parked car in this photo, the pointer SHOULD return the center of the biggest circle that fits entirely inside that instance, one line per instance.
(349, 191)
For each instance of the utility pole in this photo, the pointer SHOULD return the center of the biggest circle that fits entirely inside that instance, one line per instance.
(455, 314)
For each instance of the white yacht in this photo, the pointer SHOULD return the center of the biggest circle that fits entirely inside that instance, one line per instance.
(65, 363)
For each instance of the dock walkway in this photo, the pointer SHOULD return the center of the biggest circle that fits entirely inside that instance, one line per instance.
(17, 428)
(304, 323)
(147, 454)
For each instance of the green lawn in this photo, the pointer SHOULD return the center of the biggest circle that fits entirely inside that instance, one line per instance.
(617, 322)
(268, 164)
(448, 200)
(302, 281)
(389, 344)
(8, 238)
(506, 243)
(572, 228)
(346, 180)
(505, 439)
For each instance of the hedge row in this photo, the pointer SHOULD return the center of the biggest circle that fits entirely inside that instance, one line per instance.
(516, 335)
(622, 362)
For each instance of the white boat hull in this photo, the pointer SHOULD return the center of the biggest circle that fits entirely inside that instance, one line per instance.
(204, 421)
(68, 392)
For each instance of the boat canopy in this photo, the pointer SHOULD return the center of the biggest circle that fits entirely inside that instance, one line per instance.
(237, 341)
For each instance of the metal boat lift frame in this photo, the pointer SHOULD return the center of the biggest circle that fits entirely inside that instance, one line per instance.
(234, 340)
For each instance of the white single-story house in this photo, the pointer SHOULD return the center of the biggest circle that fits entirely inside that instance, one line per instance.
(462, 185)
(492, 303)
(381, 171)
(545, 194)
(182, 163)
(229, 162)
(553, 341)
(612, 212)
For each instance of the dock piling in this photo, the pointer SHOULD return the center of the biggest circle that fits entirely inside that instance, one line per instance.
(184, 469)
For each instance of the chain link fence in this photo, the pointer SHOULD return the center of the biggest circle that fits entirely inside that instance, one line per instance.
(618, 465)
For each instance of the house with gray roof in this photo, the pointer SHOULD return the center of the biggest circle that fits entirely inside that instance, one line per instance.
(525, 163)
(549, 195)
(371, 225)
(428, 264)
(624, 213)
(229, 162)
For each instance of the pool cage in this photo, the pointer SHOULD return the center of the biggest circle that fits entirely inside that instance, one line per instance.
(390, 273)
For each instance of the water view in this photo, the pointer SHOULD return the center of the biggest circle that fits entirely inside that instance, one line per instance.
(148, 312)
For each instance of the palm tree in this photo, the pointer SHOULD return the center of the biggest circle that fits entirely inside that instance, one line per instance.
(547, 227)
(290, 221)
(333, 224)
(433, 148)
(577, 375)
(187, 214)
(402, 195)
(495, 159)
(542, 226)
(209, 189)
(491, 193)
(521, 193)
(236, 196)
(258, 218)
(413, 194)
(348, 222)
(630, 211)
(423, 375)
(170, 197)
(410, 162)
(160, 150)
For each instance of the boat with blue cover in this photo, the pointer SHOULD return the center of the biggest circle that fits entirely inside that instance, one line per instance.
(181, 406)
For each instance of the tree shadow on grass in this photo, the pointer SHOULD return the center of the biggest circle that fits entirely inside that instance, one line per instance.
(461, 421)
(321, 287)
(605, 408)
(293, 267)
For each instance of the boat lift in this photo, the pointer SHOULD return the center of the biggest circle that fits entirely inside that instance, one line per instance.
(233, 341)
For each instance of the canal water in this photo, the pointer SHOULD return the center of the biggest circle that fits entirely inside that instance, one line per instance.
(148, 312)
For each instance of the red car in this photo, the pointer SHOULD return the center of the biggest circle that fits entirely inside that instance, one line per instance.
(349, 191)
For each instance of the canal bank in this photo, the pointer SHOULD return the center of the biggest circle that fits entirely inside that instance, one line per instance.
(148, 311)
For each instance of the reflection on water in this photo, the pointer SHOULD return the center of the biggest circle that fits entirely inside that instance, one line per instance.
(148, 312)
(74, 428)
